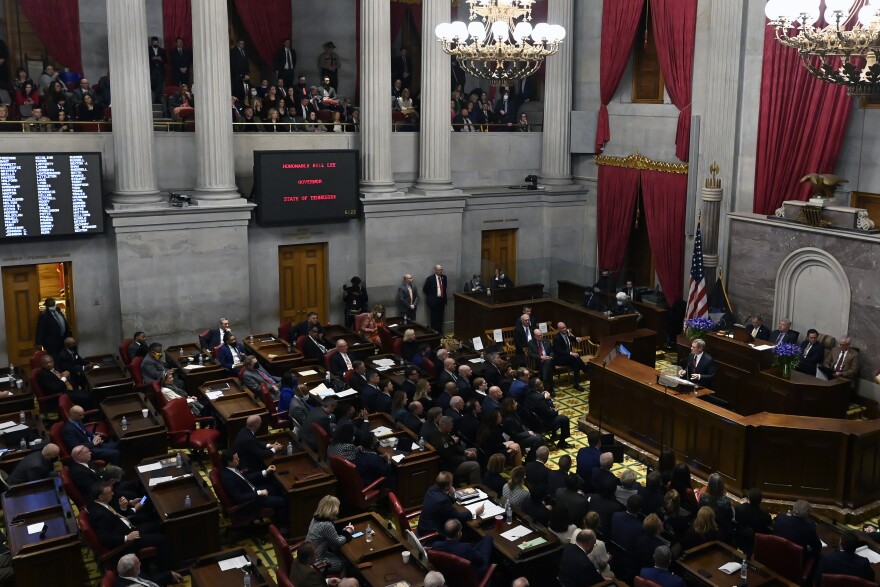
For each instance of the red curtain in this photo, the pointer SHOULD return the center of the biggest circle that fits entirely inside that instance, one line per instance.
(801, 126)
(268, 23)
(675, 23)
(56, 23)
(620, 19)
(618, 189)
(399, 13)
(177, 22)
(665, 199)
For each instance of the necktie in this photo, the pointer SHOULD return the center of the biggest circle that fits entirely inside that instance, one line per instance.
(696, 358)
(567, 341)
(347, 361)
(807, 350)
(242, 52)
(265, 377)
(118, 515)
(781, 336)
(839, 365)
(409, 288)
(541, 347)
(439, 287)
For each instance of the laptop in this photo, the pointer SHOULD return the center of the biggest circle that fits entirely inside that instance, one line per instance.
(824, 373)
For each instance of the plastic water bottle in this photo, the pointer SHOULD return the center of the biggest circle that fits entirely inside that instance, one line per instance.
(247, 580)
(22, 417)
(744, 570)
(179, 460)
(187, 502)
(200, 358)
(422, 443)
(23, 444)
(508, 513)
(327, 377)
(368, 534)
(124, 423)
(289, 448)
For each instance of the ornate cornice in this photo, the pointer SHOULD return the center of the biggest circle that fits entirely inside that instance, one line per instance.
(640, 162)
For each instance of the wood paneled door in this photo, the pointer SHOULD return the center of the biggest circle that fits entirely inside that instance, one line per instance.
(497, 251)
(302, 279)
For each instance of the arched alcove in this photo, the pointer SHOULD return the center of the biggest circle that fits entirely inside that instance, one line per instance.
(812, 290)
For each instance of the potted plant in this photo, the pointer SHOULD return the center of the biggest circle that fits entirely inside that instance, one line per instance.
(788, 355)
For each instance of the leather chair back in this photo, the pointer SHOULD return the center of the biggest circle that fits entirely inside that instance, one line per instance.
(135, 369)
(322, 440)
(639, 582)
(844, 581)
(55, 435)
(109, 579)
(282, 550)
(178, 418)
(283, 328)
(359, 320)
(123, 350)
(398, 514)
(71, 488)
(36, 358)
(780, 555)
(351, 488)
(327, 356)
(451, 565)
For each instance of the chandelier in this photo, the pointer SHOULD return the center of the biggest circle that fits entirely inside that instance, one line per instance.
(500, 44)
(839, 46)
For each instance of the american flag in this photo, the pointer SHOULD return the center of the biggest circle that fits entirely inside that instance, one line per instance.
(696, 306)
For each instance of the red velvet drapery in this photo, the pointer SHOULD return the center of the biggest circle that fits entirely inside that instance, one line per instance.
(177, 22)
(268, 23)
(56, 23)
(674, 24)
(665, 199)
(618, 188)
(620, 19)
(801, 126)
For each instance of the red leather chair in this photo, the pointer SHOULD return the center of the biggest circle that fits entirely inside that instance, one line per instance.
(783, 557)
(241, 373)
(639, 582)
(158, 396)
(123, 350)
(401, 519)
(300, 342)
(182, 430)
(397, 346)
(347, 376)
(71, 489)
(359, 320)
(107, 556)
(455, 566)
(215, 352)
(283, 550)
(280, 419)
(430, 368)
(284, 328)
(109, 579)
(327, 356)
(845, 581)
(351, 488)
(55, 436)
(284, 580)
(322, 440)
(385, 337)
(48, 402)
(134, 367)
(36, 358)
(237, 517)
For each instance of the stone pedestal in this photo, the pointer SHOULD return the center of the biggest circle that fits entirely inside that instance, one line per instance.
(556, 152)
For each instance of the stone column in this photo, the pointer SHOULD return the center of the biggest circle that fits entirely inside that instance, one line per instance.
(376, 175)
(132, 112)
(215, 179)
(556, 151)
(712, 195)
(434, 133)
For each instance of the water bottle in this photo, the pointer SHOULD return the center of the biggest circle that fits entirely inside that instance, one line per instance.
(23, 444)
(422, 443)
(11, 371)
(179, 460)
(289, 448)
(22, 417)
(200, 358)
(124, 423)
(368, 533)
(247, 579)
(187, 502)
(508, 513)
(744, 570)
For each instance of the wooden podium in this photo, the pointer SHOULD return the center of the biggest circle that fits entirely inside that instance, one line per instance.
(640, 344)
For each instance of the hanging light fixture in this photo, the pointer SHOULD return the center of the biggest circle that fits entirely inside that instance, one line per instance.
(500, 44)
(839, 46)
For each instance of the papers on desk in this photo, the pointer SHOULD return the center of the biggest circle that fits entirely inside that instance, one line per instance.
(497, 336)
(762, 347)
(382, 431)
(5, 425)
(192, 366)
(516, 533)
(543, 328)
(477, 360)
(383, 368)
(307, 373)
(730, 568)
(478, 343)
(322, 391)
(14, 428)
(869, 554)
(213, 394)
(346, 393)
(491, 509)
(158, 480)
(383, 363)
(150, 467)
(397, 458)
(4, 379)
(36, 528)
(233, 563)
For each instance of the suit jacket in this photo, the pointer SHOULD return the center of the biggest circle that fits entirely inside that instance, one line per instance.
(479, 554)
(451, 453)
(224, 355)
(337, 364)
(625, 530)
(445, 377)
(110, 529)
(662, 577)
(850, 367)
(562, 351)
(382, 403)
(518, 390)
(587, 459)
(534, 350)
(31, 468)
(50, 383)
(633, 294)
(305, 575)
(301, 329)
(156, 63)
(84, 477)
(252, 452)
(311, 350)
(430, 290)
(455, 416)
(369, 395)
(357, 382)
(237, 488)
(162, 579)
(50, 334)
(69, 360)
(537, 475)
(180, 58)
(280, 58)
(412, 422)
(321, 418)
(576, 569)
(763, 332)
(705, 368)
(136, 349)
(73, 435)
(403, 298)
(152, 369)
(436, 509)
(800, 531)
(522, 337)
(814, 357)
(791, 337)
(253, 378)
(238, 62)
(752, 517)
(299, 410)
(593, 301)
(842, 563)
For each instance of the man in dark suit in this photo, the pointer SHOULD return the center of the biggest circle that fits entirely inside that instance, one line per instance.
(565, 351)
(411, 377)
(157, 69)
(129, 571)
(812, 353)
(359, 378)
(314, 347)
(455, 412)
(370, 391)
(539, 402)
(493, 372)
(231, 355)
(479, 554)
(799, 528)
(522, 335)
(602, 473)
(541, 353)
(74, 433)
(700, 367)
(340, 362)
(407, 298)
(84, 476)
(593, 299)
(437, 506)
(243, 91)
(242, 489)
(751, 519)
(453, 455)
(570, 497)
(35, 466)
(239, 64)
(626, 527)
(435, 295)
(492, 401)
(253, 452)
(302, 570)
(537, 472)
(113, 527)
(181, 62)
(631, 292)
(659, 573)
(783, 334)
(324, 417)
(382, 402)
(556, 477)
(413, 418)
(52, 329)
(448, 374)
(575, 568)
(285, 63)
(845, 561)
(402, 68)
(215, 336)
(757, 328)
(138, 346)
(70, 361)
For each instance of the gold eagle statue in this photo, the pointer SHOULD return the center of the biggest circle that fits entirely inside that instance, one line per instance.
(824, 184)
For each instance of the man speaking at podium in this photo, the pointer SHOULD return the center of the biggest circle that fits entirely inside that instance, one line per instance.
(700, 367)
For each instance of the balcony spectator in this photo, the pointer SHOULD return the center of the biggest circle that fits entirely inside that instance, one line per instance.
(47, 78)
(27, 98)
(406, 107)
(328, 64)
(260, 110)
(285, 63)
(273, 122)
(523, 124)
(337, 122)
(505, 111)
(401, 68)
(250, 122)
(21, 78)
(484, 116)
(88, 111)
(37, 121)
(181, 62)
(271, 95)
(396, 90)
(181, 103)
(76, 97)
(104, 90)
(462, 122)
(56, 100)
(61, 124)
(289, 119)
(313, 124)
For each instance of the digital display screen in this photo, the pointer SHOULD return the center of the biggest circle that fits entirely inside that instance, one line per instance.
(51, 194)
(304, 187)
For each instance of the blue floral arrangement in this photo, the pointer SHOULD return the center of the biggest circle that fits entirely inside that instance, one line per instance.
(698, 327)
(786, 354)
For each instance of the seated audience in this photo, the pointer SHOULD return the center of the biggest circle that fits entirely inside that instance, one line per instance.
(231, 355)
(492, 477)
(812, 353)
(575, 568)
(478, 554)
(302, 570)
(170, 391)
(751, 520)
(35, 466)
(659, 573)
(844, 360)
(716, 498)
(799, 528)
(242, 489)
(129, 570)
(437, 507)
(453, 455)
(490, 438)
(52, 382)
(845, 561)
(74, 432)
(252, 451)
(626, 527)
(515, 491)
(704, 529)
(255, 375)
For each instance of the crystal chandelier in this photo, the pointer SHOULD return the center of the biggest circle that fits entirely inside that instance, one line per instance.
(839, 46)
(500, 44)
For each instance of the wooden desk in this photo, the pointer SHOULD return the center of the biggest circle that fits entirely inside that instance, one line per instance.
(774, 452)
(383, 552)
(108, 378)
(707, 558)
(193, 531)
(36, 560)
(640, 343)
(274, 354)
(394, 374)
(397, 327)
(310, 374)
(305, 482)
(235, 406)
(830, 534)
(145, 437)
(503, 295)
(206, 571)
(10, 459)
(22, 398)
(358, 347)
(183, 356)
(417, 472)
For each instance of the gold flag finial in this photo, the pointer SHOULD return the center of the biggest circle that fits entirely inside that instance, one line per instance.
(714, 181)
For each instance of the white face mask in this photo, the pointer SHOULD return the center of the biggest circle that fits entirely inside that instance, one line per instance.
(378, 314)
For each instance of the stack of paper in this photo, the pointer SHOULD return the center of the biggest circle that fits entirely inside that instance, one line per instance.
(385, 362)
(477, 360)
(382, 431)
(213, 394)
(397, 458)
(346, 393)
(307, 373)
(5, 425)
(869, 554)
(730, 568)
(192, 366)
(151, 467)
(234, 563)
(490, 510)
(516, 533)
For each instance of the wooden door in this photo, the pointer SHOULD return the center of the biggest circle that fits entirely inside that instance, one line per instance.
(302, 278)
(21, 299)
(498, 250)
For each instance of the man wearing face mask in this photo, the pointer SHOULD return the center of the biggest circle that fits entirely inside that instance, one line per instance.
(505, 111)
(35, 466)
(69, 360)
(242, 88)
(154, 364)
(52, 329)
